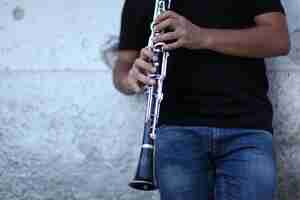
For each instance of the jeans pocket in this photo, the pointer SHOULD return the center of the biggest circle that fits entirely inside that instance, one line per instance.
(162, 126)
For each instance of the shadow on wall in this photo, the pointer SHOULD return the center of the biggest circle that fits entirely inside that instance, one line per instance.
(109, 52)
(288, 166)
(295, 51)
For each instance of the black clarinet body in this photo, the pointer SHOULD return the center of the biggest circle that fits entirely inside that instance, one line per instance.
(145, 178)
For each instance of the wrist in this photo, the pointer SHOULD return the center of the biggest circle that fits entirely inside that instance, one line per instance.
(121, 83)
(203, 38)
(208, 39)
(125, 85)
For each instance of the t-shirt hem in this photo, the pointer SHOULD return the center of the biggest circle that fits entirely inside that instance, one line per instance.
(266, 127)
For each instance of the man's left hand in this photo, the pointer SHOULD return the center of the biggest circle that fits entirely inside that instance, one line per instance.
(183, 32)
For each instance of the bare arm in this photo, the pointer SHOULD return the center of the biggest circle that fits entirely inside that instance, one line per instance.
(269, 37)
(121, 69)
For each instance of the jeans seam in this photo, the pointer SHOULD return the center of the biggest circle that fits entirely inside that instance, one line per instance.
(214, 140)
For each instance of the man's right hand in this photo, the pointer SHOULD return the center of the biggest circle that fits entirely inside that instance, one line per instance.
(137, 77)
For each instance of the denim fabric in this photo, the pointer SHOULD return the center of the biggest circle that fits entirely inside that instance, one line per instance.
(241, 162)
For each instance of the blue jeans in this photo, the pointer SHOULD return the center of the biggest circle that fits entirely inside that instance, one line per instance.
(201, 163)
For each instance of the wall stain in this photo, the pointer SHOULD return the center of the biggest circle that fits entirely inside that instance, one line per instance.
(18, 13)
(294, 55)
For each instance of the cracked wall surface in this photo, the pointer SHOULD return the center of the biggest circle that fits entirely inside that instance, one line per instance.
(66, 133)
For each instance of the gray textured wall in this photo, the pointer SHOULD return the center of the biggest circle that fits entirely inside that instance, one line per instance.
(66, 133)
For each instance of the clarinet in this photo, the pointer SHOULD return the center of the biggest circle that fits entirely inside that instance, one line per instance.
(145, 174)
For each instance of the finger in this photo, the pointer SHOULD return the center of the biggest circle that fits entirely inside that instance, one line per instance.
(167, 36)
(145, 79)
(138, 76)
(135, 86)
(141, 64)
(146, 54)
(168, 23)
(174, 45)
(164, 16)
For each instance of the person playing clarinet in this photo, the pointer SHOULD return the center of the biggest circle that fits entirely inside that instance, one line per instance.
(215, 109)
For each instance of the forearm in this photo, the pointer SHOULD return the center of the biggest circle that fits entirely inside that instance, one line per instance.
(119, 80)
(259, 41)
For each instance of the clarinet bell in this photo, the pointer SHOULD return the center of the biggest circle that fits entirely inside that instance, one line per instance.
(144, 177)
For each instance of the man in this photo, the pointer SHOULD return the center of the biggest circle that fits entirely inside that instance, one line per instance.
(215, 109)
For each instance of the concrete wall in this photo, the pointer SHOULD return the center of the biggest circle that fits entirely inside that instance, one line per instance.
(66, 133)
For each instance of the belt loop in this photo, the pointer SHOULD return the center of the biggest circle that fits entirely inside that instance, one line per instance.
(215, 136)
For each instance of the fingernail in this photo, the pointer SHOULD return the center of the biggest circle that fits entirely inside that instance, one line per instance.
(152, 82)
(154, 26)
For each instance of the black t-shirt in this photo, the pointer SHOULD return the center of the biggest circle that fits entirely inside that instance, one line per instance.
(203, 87)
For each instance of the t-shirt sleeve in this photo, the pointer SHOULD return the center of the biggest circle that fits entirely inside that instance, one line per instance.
(265, 6)
(134, 25)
